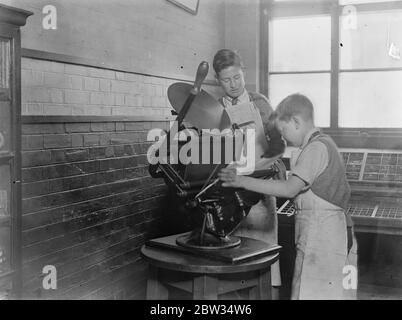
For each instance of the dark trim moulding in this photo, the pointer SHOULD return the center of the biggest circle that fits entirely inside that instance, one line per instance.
(69, 119)
(374, 138)
(299, 72)
(340, 71)
(314, 7)
(13, 15)
(57, 57)
(371, 69)
(376, 6)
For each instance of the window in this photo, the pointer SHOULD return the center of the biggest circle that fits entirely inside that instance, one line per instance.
(314, 86)
(294, 67)
(352, 73)
(370, 99)
(294, 38)
(370, 56)
(373, 42)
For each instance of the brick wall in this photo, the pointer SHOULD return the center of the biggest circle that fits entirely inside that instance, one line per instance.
(88, 206)
(55, 88)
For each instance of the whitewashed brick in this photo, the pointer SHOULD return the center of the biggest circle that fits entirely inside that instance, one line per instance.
(121, 86)
(157, 102)
(149, 90)
(76, 82)
(56, 95)
(91, 84)
(159, 90)
(76, 96)
(56, 80)
(133, 77)
(94, 111)
(120, 111)
(33, 108)
(34, 94)
(42, 65)
(60, 110)
(24, 108)
(120, 75)
(151, 111)
(146, 101)
(78, 110)
(131, 100)
(104, 85)
(140, 101)
(31, 78)
(119, 99)
(76, 70)
(141, 87)
(105, 111)
(134, 88)
(132, 111)
(157, 80)
(102, 73)
(148, 80)
(102, 98)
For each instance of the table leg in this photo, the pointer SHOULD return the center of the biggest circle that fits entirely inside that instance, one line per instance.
(263, 289)
(205, 288)
(155, 289)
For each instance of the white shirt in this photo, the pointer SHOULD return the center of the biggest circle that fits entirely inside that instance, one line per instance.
(244, 97)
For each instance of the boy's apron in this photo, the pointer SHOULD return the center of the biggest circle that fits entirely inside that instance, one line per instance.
(321, 250)
(262, 221)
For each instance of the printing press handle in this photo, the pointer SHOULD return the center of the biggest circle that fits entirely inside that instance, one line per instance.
(200, 76)
(202, 72)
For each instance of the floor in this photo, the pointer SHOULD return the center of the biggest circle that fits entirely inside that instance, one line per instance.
(380, 281)
(376, 292)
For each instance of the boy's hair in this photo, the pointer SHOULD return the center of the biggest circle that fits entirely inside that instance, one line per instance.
(295, 104)
(225, 58)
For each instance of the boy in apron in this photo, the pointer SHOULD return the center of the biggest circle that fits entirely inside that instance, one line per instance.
(261, 222)
(323, 232)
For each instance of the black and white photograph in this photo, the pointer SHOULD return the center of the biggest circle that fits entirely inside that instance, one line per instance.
(217, 152)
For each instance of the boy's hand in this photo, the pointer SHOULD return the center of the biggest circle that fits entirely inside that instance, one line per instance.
(230, 178)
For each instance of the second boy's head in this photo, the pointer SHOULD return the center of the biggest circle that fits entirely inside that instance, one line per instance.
(229, 73)
(295, 118)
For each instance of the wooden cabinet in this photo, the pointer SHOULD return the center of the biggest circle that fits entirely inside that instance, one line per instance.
(11, 19)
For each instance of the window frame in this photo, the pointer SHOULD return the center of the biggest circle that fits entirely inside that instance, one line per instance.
(354, 137)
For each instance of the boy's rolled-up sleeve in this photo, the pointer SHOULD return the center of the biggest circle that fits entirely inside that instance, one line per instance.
(311, 162)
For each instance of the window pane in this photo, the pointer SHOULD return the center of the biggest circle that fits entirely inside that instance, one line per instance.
(5, 126)
(5, 190)
(374, 41)
(5, 63)
(5, 197)
(5, 245)
(315, 86)
(300, 43)
(370, 99)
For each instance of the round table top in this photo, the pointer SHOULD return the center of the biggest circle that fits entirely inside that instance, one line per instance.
(185, 262)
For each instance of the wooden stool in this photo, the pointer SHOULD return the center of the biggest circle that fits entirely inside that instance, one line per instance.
(205, 278)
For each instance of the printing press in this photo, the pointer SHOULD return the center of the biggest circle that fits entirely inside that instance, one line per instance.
(214, 211)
